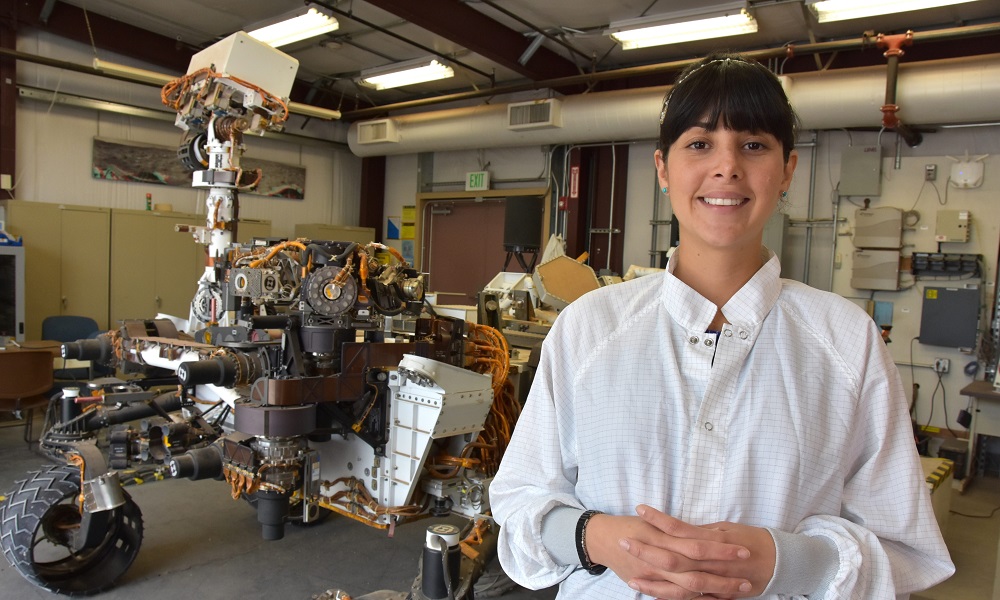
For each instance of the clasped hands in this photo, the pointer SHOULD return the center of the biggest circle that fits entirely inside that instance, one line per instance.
(664, 557)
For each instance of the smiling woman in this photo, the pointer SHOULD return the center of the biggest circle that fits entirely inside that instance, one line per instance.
(756, 438)
(726, 154)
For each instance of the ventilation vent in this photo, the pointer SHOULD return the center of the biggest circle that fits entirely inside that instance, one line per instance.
(539, 114)
(376, 132)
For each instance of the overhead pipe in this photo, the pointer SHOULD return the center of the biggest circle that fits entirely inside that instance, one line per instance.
(894, 45)
(827, 100)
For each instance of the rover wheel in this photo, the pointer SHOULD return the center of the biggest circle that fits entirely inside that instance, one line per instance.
(37, 523)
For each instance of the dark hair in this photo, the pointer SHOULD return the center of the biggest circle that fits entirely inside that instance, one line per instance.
(740, 91)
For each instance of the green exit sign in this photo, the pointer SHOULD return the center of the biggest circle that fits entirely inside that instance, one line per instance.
(477, 181)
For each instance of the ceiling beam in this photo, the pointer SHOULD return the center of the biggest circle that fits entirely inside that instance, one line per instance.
(471, 29)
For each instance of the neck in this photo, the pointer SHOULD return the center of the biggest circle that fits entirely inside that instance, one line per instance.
(717, 274)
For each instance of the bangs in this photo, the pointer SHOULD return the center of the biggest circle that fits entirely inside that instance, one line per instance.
(741, 95)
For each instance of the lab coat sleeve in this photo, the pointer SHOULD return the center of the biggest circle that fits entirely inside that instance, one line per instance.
(887, 538)
(538, 471)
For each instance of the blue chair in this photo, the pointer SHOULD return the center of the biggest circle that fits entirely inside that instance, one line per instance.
(69, 328)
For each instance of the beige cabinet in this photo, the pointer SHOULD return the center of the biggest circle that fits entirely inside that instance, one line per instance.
(67, 250)
(154, 268)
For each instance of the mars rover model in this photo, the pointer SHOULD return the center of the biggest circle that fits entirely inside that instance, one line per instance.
(310, 375)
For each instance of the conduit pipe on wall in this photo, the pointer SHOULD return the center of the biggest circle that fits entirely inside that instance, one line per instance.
(952, 91)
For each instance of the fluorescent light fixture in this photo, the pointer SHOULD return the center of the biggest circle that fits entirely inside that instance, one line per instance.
(841, 10)
(684, 26)
(301, 24)
(309, 110)
(132, 73)
(406, 73)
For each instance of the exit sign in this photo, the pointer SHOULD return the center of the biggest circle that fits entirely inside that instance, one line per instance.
(477, 181)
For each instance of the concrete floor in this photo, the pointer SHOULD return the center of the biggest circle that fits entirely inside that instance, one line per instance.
(199, 543)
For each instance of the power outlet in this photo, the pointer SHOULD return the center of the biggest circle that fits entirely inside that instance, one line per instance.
(930, 172)
(941, 365)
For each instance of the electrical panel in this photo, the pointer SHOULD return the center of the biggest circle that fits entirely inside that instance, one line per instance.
(878, 228)
(952, 226)
(875, 270)
(950, 317)
(860, 171)
(950, 264)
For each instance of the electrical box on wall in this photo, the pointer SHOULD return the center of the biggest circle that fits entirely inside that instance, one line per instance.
(950, 317)
(860, 171)
(878, 228)
(875, 270)
(952, 226)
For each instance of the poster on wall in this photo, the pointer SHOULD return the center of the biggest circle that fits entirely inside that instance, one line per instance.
(392, 228)
(120, 160)
(408, 222)
(407, 251)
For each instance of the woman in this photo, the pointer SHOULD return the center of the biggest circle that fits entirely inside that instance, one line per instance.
(718, 432)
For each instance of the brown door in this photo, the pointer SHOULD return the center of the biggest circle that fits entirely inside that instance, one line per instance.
(463, 247)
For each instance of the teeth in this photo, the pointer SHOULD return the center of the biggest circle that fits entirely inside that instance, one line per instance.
(723, 201)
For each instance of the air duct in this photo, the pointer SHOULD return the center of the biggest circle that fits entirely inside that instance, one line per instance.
(953, 91)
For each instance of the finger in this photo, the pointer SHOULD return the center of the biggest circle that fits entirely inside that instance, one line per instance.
(677, 553)
(708, 586)
(705, 543)
(662, 590)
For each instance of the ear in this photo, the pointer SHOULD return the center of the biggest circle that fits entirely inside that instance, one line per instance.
(793, 159)
(661, 168)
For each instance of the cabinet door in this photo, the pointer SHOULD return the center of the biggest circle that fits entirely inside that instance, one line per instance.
(133, 275)
(154, 269)
(251, 228)
(180, 261)
(85, 249)
(38, 223)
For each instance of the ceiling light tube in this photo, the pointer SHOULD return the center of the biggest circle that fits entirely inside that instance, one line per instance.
(406, 73)
(132, 73)
(685, 26)
(300, 24)
(841, 10)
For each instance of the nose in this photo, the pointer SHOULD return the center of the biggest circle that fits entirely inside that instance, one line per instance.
(728, 165)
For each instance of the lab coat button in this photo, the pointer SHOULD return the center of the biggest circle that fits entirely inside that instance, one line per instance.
(693, 339)
(728, 333)
(709, 342)
(708, 426)
(743, 334)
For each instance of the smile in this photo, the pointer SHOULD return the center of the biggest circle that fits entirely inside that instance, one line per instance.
(724, 201)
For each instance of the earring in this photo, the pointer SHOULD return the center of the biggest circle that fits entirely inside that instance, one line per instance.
(664, 190)
(784, 195)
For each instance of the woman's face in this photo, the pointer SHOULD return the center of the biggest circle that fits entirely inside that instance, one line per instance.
(724, 185)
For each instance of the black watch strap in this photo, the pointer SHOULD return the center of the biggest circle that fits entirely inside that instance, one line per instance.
(581, 543)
